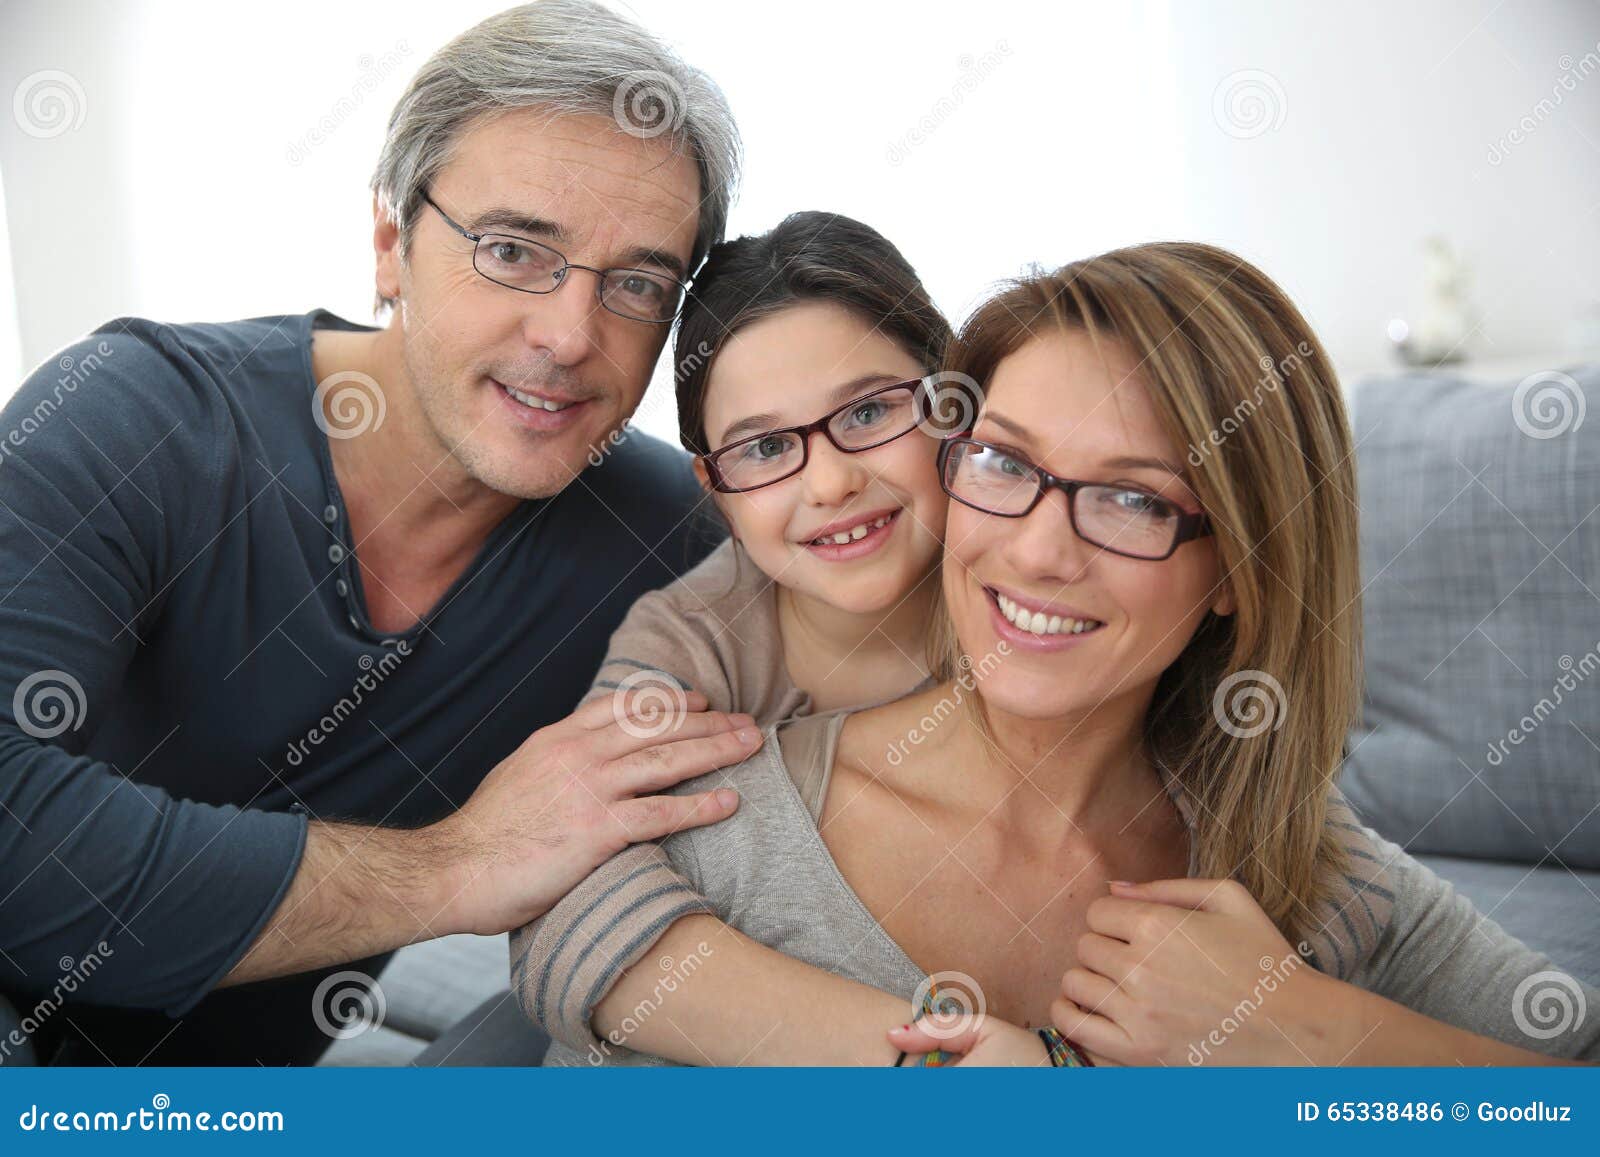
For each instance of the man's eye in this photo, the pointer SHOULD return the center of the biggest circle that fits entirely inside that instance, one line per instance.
(643, 288)
(510, 253)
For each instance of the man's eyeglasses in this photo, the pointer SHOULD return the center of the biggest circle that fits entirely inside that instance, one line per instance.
(871, 420)
(1133, 523)
(530, 266)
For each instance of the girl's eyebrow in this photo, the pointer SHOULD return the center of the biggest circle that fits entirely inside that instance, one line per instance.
(1121, 462)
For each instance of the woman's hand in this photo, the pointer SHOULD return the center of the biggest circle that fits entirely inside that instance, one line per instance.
(979, 1038)
(1191, 972)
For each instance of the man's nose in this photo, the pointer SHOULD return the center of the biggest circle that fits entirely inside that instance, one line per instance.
(565, 322)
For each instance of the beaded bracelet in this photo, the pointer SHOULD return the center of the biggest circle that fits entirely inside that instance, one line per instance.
(1063, 1053)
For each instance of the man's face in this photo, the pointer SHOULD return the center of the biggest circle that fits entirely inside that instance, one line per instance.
(603, 199)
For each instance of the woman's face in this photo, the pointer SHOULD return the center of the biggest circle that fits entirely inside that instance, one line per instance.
(1057, 404)
(791, 368)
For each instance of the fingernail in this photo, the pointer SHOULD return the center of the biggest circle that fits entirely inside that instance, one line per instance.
(746, 734)
(1124, 883)
(727, 797)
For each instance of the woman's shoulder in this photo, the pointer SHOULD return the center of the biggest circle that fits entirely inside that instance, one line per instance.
(1359, 903)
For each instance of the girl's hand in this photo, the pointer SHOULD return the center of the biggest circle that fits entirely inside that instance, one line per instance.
(1191, 972)
(980, 1039)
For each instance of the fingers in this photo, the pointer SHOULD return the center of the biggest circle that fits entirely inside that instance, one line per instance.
(953, 1032)
(1134, 920)
(662, 765)
(1095, 993)
(631, 733)
(658, 816)
(1099, 1034)
(1202, 895)
(643, 699)
(1110, 957)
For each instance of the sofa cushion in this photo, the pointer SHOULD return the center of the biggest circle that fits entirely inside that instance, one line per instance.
(1480, 555)
(1552, 910)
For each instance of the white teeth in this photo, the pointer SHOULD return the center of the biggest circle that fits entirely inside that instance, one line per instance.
(855, 533)
(537, 403)
(1038, 623)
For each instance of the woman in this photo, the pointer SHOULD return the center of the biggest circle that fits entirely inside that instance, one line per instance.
(802, 380)
(1128, 599)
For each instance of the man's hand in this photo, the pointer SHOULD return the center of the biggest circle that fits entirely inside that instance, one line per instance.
(569, 798)
(576, 793)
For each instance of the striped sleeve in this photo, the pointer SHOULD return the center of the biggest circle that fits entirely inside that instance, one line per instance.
(564, 963)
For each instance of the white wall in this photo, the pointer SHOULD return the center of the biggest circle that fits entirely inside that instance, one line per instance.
(220, 166)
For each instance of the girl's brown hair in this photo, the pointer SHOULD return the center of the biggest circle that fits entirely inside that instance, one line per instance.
(811, 256)
(1241, 382)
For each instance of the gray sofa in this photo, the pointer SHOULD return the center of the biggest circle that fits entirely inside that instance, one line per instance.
(1481, 562)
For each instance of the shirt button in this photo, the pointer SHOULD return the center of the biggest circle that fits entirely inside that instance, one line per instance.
(354, 624)
(342, 587)
(330, 513)
(335, 553)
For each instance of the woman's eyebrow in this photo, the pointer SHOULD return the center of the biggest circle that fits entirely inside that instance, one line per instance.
(1121, 462)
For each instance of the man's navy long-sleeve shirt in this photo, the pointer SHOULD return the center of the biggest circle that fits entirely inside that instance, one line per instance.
(187, 668)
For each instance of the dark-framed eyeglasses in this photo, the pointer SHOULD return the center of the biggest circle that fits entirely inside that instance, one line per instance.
(864, 423)
(530, 266)
(1122, 520)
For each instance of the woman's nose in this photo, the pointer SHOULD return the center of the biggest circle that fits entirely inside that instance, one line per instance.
(1042, 543)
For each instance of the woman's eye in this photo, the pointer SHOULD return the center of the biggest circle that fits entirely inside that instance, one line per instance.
(1138, 502)
(868, 413)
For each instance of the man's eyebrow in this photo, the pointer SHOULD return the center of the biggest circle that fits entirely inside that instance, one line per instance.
(1122, 462)
(541, 228)
(838, 396)
(491, 220)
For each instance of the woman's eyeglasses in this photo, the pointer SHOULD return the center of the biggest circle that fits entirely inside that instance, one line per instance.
(869, 421)
(1133, 523)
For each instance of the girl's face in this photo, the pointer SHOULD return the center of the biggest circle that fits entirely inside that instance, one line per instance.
(792, 368)
(1056, 404)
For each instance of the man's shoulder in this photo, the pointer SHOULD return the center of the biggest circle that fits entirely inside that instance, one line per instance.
(649, 488)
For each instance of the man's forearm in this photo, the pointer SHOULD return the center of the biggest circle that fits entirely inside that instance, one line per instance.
(358, 891)
(744, 1004)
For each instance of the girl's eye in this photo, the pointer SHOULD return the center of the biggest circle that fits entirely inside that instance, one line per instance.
(769, 447)
(867, 413)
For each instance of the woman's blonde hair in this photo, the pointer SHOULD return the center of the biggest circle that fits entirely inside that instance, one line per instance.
(1253, 716)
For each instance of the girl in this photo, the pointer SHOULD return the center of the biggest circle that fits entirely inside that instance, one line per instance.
(1115, 602)
(802, 359)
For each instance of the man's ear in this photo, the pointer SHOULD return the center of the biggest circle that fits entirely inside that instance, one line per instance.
(386, 247)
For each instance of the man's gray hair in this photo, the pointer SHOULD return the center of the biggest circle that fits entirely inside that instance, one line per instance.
(569, 56)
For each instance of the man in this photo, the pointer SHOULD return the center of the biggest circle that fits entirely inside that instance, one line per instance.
(293, 611)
